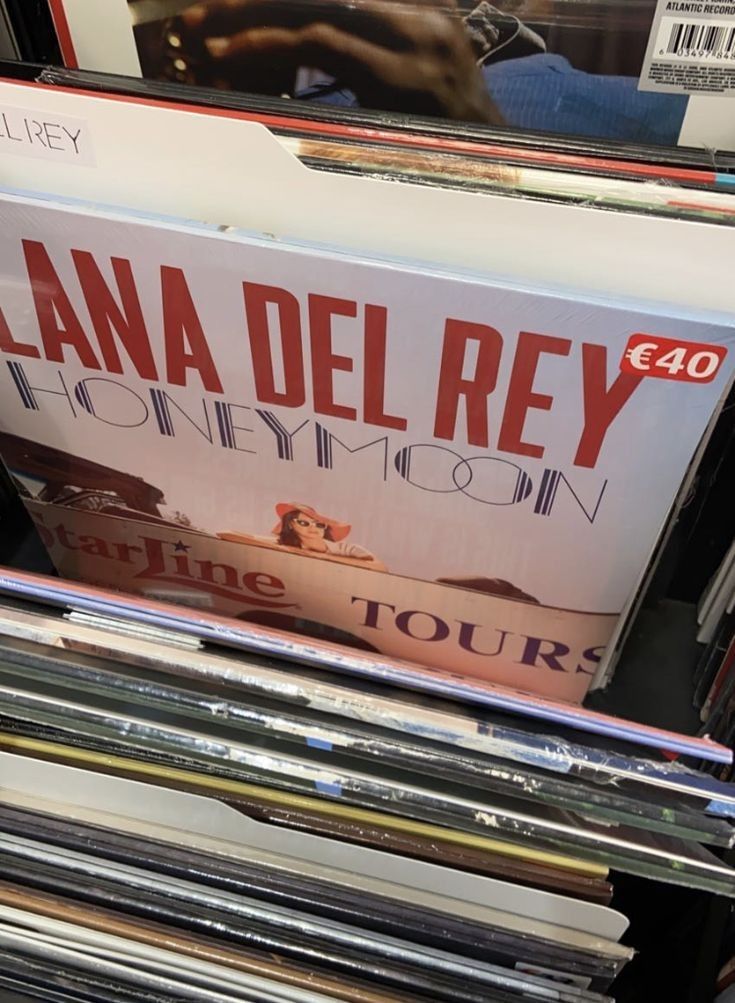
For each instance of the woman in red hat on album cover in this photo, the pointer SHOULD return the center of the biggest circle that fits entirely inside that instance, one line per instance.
(301, 528)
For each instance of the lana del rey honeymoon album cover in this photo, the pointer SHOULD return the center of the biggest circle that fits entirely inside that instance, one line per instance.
(434, 465)
(653, 72)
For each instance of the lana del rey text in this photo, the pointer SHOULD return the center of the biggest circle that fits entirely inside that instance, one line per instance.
(287, 343)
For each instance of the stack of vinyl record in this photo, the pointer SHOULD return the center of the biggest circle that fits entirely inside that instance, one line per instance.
(715, 675)
(203, 822)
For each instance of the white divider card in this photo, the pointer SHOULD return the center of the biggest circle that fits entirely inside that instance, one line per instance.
(162, 160)
(206, 819)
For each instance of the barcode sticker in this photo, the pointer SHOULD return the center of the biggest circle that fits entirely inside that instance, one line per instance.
(695, 40)
(691, 49)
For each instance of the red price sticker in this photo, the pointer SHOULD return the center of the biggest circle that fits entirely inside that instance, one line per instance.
(670, 359)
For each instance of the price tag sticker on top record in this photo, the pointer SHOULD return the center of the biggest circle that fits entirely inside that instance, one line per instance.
(672, 359)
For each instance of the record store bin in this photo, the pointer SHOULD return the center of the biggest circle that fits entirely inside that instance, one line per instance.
(367, 561)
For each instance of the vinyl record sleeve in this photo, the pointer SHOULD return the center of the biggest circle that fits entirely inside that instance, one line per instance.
(505, 820)
(12, 991)
(217, 828)
(207, 949)
(105, 948)
(264, 665)
(719, 682)
(85, 674)
(149, 766)
(718, 598)
(720, 707)
(638, 852)
(503, 949)
(687, 167)
(514, 66)
(381, 593)
(596, 967)
(712, 659)
(42, 982)
(436, 847)
(93, 878)
(126, 973)
(81, 946)
(419, 717)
